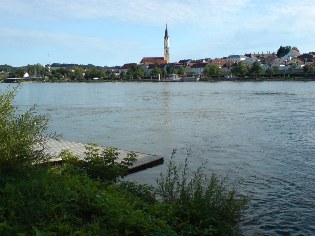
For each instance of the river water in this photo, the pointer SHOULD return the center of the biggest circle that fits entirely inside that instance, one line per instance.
(262, 133)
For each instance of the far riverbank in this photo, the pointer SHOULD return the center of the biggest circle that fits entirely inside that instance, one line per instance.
(236, 79)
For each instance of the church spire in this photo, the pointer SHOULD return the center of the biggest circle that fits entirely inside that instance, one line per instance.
(166, 32)
(166, 46)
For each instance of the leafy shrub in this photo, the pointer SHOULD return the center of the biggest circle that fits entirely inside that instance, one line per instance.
(142, 191)
(197, 205)
(18, 136)
(99, 163)
(52, 203)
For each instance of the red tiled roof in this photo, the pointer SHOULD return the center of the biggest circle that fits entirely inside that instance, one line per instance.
(153, 60)
(198, 65)
(296, 52)
(218, 61)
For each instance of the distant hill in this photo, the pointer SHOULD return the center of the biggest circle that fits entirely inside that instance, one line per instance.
(75, 65)
(6, 67)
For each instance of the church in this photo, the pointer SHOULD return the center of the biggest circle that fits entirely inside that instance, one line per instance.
(160, 60)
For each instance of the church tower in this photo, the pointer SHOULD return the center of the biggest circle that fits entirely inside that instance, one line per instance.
(166, 46)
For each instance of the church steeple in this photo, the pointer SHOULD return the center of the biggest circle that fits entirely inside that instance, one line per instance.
(166, 32)
(166, 46)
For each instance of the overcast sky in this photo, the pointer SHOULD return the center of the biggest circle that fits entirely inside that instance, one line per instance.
(103, 32)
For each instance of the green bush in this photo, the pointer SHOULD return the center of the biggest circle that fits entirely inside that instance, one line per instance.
(64, 204)
(99, 163)
(19, 134)
(142, 191)
(198, 205)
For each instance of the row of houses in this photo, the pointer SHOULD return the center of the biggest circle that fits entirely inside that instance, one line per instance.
(293, 59)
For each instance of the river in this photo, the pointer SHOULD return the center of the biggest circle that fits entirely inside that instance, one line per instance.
(260, 132)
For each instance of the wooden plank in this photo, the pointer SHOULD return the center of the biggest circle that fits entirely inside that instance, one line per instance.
(55, 147)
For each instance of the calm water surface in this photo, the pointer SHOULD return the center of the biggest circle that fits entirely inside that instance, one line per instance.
(263, 133)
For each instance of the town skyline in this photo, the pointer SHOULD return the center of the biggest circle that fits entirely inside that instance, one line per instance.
(114, 33)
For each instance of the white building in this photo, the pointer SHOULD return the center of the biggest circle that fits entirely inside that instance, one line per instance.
(235, 59)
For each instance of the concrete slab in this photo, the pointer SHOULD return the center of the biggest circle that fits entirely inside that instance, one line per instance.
(55, 147)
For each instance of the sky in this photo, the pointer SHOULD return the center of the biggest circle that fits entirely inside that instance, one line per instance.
(110, 33)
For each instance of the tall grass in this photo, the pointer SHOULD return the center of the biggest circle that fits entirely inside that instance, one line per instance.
(200, 204)
(18, 136)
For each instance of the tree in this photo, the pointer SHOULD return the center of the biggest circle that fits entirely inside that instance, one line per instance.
(309, 69)
(108, 73)
(181, 70)
(78, 73)
(282, 51)
(292, 68)
(241, 69)
(122, 75)
(212, 71)
(94, 73)
(271, 71)
(17, 73)
(136, 71)
(170, 70)
(256, 69)
(156, 71)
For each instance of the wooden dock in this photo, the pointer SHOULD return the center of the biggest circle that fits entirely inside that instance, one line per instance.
(55, 147)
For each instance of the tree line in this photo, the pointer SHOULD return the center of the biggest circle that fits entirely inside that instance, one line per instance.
(135, 72)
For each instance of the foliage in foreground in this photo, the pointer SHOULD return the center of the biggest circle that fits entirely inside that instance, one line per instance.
(18, 135)
(99, 163)
(87, 198)
(198, 205)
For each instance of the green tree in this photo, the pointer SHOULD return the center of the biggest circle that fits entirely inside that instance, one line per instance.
(170, 69)
(271, 71)
(212, 71)
(309, 70)
(136, 72)
(156, 71)
(37, 70)
(291, 69)
(78, 73)
(240, 70)
(181, 71)
(94, 72)
(122, 75)
(57, 75)
(282, 51)
(109, 74)
(256, 69)
(17, 72)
